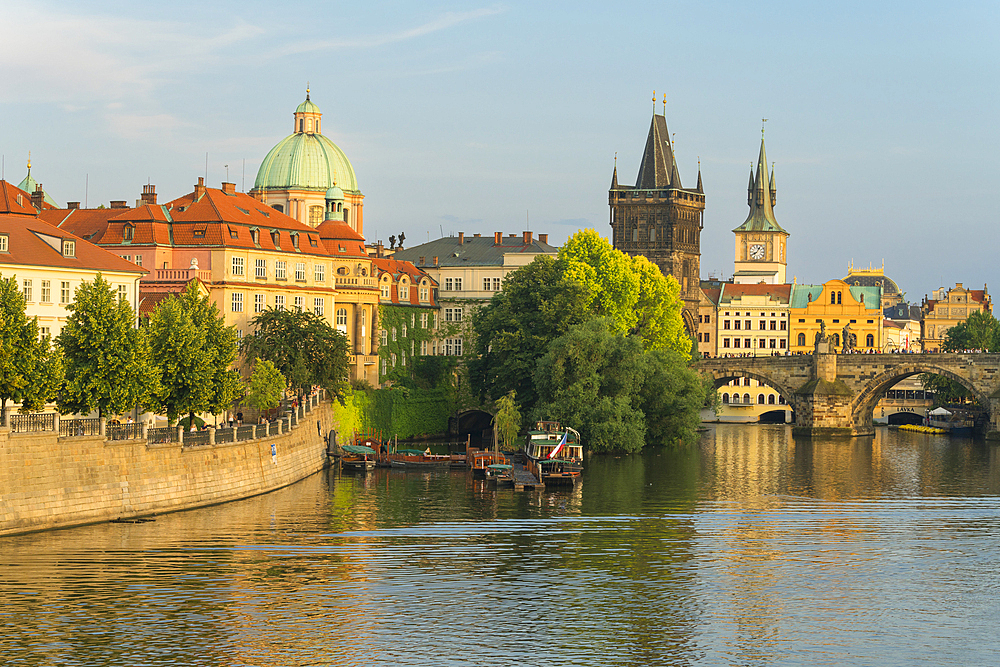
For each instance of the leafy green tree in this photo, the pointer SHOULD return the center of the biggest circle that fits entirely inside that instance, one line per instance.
(265, 387)
(193, 352)
(671, 398)
(538, 303)
(107, 361)
(304, 348)
(980, 331)
(30, 371)
(507, 421)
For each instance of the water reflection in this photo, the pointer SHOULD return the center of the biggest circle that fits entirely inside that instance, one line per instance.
(750, 549)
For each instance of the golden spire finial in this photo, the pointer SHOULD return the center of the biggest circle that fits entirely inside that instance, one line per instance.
(616, 159)
(664, 105)
(307, 90)
(29, 160)
(654, 101)
(762, 121)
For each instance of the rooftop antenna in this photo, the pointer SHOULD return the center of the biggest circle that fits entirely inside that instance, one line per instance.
(227, 173)
(243, 183)
(527, 219)
(206, 166)
(86, 192)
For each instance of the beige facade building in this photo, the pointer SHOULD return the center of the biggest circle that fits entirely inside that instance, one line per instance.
(946, 308)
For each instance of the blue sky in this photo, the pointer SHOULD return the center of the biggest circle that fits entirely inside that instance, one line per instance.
(475, 117)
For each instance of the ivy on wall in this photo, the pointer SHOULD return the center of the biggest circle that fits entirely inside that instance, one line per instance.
(402, 413)
(394, 320)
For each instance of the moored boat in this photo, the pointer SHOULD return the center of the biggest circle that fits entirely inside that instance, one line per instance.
(414, 458)
(358, 457)
(499, 473)
(554, 454)
(480, 461)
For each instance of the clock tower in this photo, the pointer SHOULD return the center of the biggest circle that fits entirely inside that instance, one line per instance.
(760, 240)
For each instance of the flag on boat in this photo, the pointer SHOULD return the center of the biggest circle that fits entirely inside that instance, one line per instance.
(559, 447)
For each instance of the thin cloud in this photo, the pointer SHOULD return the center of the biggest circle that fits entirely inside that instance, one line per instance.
(443, 22)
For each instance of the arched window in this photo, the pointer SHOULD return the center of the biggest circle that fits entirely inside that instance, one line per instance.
(652, 233)
(342, 320)
(760, 399)
(129, 229)
(315, 215)
(278, 207)
(802, 339)
(302, 125)
(869, 340)
(833, 298)
(725, 398)
(309, 125)
(781, 400)
(836, 340)
(635, 233)
(746, 399)
(770, 399)
(838, 298)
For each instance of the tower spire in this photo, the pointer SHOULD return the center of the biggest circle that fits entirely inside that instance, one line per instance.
(699, 188)
(760, 196)
(614, 175)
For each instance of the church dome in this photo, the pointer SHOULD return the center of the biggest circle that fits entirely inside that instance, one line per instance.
(307, 107)
(306, 161)
(865, 279)
(335, 193)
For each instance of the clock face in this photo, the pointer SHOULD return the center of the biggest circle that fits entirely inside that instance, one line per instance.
(757, 251)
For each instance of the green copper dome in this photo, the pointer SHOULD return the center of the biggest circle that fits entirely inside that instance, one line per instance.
(307, 107)
(306, 161)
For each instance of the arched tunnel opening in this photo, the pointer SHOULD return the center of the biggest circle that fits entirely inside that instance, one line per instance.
(472, 425)
(900, 418)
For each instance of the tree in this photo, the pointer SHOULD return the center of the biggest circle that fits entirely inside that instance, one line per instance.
(671, 397)
(30, 371)
(980, 331)
(265, 387)
(107, 362)
(193, 352)
(538, 303)
(631, 292)
(507, 421)
(304, 348)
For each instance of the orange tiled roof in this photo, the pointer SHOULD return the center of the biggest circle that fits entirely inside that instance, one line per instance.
(87, 223)
(780, 292)
(398, 268)
(340, 240)
(15, 201)
(29, 244)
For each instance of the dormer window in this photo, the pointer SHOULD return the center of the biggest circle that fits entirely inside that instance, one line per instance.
(255, 236)
(295, 240)
(4, 243)
(312, 241)
(276, 239)
(199, 233)
(69, 248)
(20, 199)
(234, 233)
(129, 230)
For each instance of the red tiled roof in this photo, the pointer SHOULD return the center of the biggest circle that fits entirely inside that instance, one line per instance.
(780, 292)
(87, 223)
(340, 240)
(15, 201)
(397, 268)
(27, 245)
(712, 294)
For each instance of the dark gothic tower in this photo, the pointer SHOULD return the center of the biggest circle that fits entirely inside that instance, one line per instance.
(659, 218)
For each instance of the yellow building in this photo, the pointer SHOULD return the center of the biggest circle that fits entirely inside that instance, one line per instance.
(836, 305)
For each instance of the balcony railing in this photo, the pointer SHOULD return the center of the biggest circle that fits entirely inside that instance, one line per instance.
(76, 428)
(124, 431)
(32, 423)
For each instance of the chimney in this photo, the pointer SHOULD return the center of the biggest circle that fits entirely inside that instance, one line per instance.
(118, 203)
(422, 260)
(513, 236)
(477, 235)
(72, 205)
(435, 261)
(199, 190)
(149, 194)
(37, 197)
(461, 238)
(228, 188)
(543, 238)
(527, 238)
(497, 238)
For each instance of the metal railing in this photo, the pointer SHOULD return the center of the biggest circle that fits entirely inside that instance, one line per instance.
(161, 435)
(75, 428)
(32, 423)
(225, 435)
(123, 431)
(244, 433)
(196, 437)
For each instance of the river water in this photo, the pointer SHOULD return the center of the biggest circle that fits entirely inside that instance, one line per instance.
(750, 548)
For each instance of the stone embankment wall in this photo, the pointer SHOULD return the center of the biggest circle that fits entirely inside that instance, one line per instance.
(52, 482)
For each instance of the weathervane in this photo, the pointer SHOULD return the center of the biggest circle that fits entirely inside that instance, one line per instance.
(762, 121)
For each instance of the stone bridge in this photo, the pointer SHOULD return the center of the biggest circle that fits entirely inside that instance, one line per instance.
(835, 394)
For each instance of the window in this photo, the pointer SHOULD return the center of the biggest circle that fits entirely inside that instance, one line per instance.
(313, 242)
(300, 272)
(319, 305)
(760, 399)
(260, 268)
(386, 291)
(259, 300)
(708, 319)
(736, 324)
(773, 343)
(423, 348)
(449, 284)
(452, 314)
(127, 258)
(762, 343)
(138, 260)
(64, 293)
(237, 302)
(402, 358)
(342, 319)
(781, 343)
(746, 399)
(279, 301)
(384, 369)
(129, 229)
(4, 243)
(238, 266)
(384, 337)
(315, 215)
(487, 283)
(279, 269)
(26, 290)
(46, 332)
(774, 325)
(725, 342)
(496, 284)
(869, 339)
(725, 398)
(746, 342)
(255, 236)
(276, 238)
(404, 291)
(393, 358)
(784, 325)
(394, 332)
(404, 330)
(300, 302)
(423, 320)
(123, 292)
(234, 233)
(770, 399)
(47, 292)
(69, 248)
(424, 293)
(736, 342)
(746, 382)
(458, 284)
(748, 324)
(319, 272)
(453, 347)
(725, 324)
(763, 325)
(708, 337)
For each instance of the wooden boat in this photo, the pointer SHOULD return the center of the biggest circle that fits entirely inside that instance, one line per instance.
(480, 461)
(500, 474)
(358, 457)
(554, 454)
(416, 459)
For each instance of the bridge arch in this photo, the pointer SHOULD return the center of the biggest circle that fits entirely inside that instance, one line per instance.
(722, 377)
(866, 399)
(472, 423)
